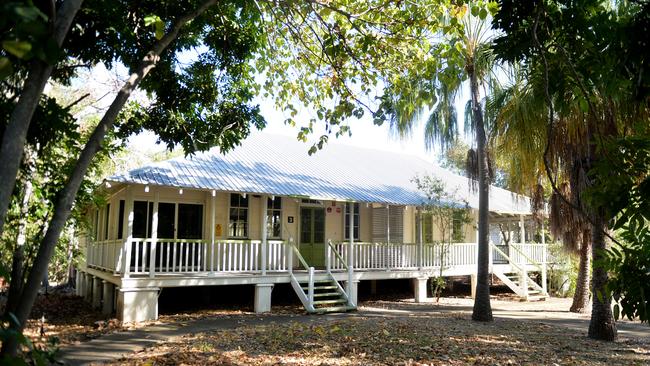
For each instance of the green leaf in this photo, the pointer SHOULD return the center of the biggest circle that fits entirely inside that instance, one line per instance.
(6, 68)
(475, 11)
(158, 25)
(483, 14)
(17, 48)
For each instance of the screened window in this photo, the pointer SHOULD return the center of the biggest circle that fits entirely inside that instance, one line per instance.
(140, 219)
(120, 220)
(457, 234)
(238, 224)
(106, 220)
(356, 219)
(96, 225)
(427, 228)
(190, 221)
(274, 218)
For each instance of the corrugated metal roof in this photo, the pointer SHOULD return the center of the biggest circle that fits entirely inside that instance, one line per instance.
(279, 165)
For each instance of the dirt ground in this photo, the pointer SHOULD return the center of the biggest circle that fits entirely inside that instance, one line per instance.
(383, 332)
(373, 337)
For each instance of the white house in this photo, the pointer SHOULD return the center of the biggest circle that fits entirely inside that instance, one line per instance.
(268, 213)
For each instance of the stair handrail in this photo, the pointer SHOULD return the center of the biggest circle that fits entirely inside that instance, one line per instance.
(512, 263)
(530, 260)
(298, 255)
(520, 269)
(332, 248)
(328, 267)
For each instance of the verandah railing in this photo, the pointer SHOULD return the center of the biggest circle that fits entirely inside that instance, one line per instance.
(187, 256)
(378, 256)
(194, 255)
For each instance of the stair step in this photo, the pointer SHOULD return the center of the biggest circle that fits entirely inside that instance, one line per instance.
(306, 288)
(334, 309)
(324, 294)
(337, 301)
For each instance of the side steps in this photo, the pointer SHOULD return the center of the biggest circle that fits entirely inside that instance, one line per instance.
(327, 297)
(531, 291)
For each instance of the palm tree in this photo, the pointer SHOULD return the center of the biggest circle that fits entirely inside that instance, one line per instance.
(459, 55)
(520, 140)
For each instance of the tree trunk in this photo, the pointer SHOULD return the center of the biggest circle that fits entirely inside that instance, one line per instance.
(602, 325)
(18, 260)
(581, 296)
(482, 309)
(13, 140)
(66, 196)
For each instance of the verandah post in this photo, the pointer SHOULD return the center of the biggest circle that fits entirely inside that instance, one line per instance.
(543, 259)
(154, 233)
(263, 223)
(350, 253)
(212, 228)
(128, 231)
(420, 244)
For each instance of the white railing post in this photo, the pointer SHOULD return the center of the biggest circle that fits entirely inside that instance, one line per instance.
(213, 207)
(420, 246)
(289, 250)
(543, 260)
(350, 254)
(310, 287)
(128, 231)
(328, 253)
(265, 206)
(154, 234)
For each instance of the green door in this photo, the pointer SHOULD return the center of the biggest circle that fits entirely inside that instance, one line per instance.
(312, 235)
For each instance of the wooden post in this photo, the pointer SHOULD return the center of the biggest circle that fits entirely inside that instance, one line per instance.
(420, 246)
(289, 250)
(154, 234)
(543, 259)
(310, 286)
(128, 232)
(265, 206)
(213, 208)
(350, 253)
(328, 259)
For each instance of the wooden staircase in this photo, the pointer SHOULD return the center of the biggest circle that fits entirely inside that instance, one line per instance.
(320, 293)
(526, 288)
(518, 278)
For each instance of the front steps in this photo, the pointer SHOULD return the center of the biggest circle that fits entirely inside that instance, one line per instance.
(522, 285)
(327, 297)
(321, 294)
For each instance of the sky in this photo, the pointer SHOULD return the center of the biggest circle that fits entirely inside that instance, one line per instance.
(103, 82)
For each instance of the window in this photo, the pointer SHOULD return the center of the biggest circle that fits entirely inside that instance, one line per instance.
(457, 230)
(120, 220)
(274, 218)
(190, 221)
(356, 221)
(238, 224)
(140, 219)
(106, 220)
(96, 225)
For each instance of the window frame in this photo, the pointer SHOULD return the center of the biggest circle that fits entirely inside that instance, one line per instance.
(356, 224)
(270, 209)
(247, 223)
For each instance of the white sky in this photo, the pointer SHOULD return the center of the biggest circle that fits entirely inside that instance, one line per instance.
(104, 82)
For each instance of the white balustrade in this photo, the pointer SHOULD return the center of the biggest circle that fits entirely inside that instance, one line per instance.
(244, 256)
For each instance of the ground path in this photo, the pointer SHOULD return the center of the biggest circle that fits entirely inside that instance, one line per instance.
(115, 345)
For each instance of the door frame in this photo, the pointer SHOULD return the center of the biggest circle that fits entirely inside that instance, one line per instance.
(313, 207)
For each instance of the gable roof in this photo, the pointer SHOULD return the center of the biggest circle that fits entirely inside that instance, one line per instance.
(279, 165)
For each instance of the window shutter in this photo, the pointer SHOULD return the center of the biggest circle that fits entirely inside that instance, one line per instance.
(380, 221)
